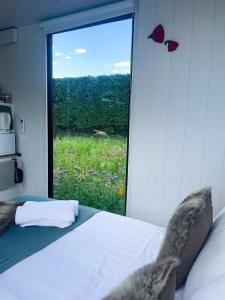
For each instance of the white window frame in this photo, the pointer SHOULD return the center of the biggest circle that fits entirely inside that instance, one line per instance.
(88, 17)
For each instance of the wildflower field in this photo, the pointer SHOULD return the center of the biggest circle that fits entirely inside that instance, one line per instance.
(91, 170)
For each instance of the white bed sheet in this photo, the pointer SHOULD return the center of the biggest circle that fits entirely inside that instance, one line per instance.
(86, 263)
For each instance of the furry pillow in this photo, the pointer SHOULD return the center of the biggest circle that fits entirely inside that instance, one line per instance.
(156, 281)
(187, 231)
(7, 214)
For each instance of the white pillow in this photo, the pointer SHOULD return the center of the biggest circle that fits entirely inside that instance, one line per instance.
(219, 214)
(214, 291)
(207, 275)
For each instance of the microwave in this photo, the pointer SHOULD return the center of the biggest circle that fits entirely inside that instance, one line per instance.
(7, 143)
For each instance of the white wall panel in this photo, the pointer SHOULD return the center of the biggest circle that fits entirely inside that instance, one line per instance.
(177, 141)
(23, 72)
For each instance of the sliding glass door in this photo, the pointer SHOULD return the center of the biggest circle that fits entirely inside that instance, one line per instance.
(89, 95)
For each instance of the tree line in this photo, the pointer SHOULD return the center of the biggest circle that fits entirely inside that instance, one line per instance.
(86, 104)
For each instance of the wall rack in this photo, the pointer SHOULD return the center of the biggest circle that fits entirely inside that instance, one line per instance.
(16, 155)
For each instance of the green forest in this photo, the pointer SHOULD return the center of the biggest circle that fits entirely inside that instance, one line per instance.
(86, 104)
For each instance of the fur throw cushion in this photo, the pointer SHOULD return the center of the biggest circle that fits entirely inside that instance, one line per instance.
(155, 281)
(7, 214)
(187, 231)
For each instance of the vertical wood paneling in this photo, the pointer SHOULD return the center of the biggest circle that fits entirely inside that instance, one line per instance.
(179, 77)
(158, 109)
(214, 142)
(144, 22)
(217, 96)
(200, 64)
(181, 146)
(23, 72)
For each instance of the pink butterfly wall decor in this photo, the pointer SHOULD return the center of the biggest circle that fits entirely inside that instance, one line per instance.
(158, 36)
(172, 45)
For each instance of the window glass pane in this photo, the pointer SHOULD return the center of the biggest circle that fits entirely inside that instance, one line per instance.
(91, 94)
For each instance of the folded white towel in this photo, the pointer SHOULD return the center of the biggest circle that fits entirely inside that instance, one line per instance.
(57, 213)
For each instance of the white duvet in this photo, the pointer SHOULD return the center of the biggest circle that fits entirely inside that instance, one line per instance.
(86, 263)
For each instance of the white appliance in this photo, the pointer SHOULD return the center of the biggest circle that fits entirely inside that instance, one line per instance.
(8, 36)
(5, 122)
(7, 143)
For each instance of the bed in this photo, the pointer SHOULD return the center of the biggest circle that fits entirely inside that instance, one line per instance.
(101, 251)
(86, 263)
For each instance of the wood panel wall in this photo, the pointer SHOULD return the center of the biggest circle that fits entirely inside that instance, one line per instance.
(177, 142)
(23, 73)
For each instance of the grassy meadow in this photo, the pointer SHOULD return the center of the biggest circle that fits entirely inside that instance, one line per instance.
(91, 170)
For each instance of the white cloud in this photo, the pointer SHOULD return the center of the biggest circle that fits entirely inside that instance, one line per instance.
(121, 71)
(59, 53)
(122, 64)
(68, 57)
(80, 50)
(55, 63)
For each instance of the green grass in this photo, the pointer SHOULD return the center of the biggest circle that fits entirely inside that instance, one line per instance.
(91, 170)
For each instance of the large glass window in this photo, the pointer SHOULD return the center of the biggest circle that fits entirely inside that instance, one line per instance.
(90, 87)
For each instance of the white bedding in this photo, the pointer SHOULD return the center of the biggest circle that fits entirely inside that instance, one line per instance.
(86, 263)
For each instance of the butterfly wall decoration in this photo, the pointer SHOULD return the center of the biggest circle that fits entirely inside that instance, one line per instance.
(172, 45)
(158, 36)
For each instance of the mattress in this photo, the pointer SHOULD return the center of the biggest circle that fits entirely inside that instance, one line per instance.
(86, 263)
(19, 243)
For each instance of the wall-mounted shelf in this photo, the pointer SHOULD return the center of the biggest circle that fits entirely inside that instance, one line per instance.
(16, 155)
(5, 104)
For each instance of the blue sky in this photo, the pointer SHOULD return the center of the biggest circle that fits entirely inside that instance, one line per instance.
(98, 50)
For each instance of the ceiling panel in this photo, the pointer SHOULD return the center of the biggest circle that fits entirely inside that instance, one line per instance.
(26, 12)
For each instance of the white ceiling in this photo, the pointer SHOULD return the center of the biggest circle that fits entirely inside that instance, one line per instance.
(26, 12)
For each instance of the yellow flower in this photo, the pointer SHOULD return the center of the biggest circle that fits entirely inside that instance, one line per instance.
(120, 192)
